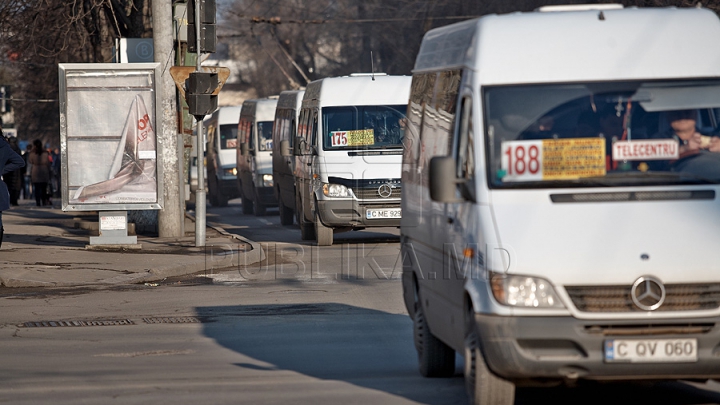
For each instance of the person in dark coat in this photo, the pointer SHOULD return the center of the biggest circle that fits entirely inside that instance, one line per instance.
(40, 161)
(14, 179)
(9, 162)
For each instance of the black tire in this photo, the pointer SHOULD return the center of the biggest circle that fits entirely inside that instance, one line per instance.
(483, 387)
(221, 199)
(323, 234)
(260, 208)
(307, 230)
(435, 357)
(286, 214)
(247, 206)
(212, 192)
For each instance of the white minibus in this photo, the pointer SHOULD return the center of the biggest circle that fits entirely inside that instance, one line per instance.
(285, 129)
(561, 207)
(254, 155)
(349, 152)
(221, 129)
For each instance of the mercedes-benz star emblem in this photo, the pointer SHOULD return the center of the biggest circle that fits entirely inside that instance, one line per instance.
(648, 293)
(385, 191)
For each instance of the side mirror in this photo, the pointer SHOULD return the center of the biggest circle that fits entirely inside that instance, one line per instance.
(285, 148)
(297, 146)
(443, 181)
(244, 149)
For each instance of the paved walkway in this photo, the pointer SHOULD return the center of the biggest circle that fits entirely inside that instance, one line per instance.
(46, 247)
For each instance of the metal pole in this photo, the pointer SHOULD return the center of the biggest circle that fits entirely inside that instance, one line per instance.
(200, 193)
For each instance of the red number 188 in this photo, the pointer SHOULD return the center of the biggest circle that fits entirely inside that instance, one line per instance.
(520, 161)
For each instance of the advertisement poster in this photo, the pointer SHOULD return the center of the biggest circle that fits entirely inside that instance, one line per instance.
(108, 139)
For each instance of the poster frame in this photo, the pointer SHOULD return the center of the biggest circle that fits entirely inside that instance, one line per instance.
(111, 70)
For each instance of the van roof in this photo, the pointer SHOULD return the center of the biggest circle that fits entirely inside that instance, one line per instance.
(262, 109)
(226, 115)
(289, 98)
(582, 45)
(358, 90)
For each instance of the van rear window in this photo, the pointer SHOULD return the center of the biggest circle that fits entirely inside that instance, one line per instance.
(363, 127)
(603, 134)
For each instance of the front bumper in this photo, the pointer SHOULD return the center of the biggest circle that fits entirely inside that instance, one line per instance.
(352, 213)
(536, 348)
(229, 187)
(266, 195)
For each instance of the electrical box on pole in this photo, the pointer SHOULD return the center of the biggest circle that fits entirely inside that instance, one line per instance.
(206, 20)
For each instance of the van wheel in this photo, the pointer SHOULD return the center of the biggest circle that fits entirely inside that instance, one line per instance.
(260, 208)
(435, 357)
(323, 234)
(217, 198)
(247, 206)
(211, 190)
(307, 230)
(221, 199)
(286, 214)
(483, 387)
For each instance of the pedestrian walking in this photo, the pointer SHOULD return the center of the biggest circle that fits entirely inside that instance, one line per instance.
(56, 170)
(27, 179)
(9, 162)
(40, 161)
(13, 179)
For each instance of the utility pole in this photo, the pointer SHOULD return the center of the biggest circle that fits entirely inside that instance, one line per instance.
(200, 87)
(171, 218)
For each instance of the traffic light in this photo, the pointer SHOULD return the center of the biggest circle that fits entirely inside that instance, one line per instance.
(208, 39)
(4, 99)
(198, 93)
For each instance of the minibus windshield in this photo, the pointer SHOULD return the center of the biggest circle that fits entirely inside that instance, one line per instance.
(603, 134)
(228, 136)
(265, 135)
(363, 127)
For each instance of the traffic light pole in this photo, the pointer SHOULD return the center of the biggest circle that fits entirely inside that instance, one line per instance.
(200, 214)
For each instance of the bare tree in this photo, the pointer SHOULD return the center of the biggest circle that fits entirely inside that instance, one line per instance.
(36, 35)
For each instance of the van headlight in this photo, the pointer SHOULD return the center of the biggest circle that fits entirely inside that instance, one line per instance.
(267, 180)
(524, 291)
(335, 190)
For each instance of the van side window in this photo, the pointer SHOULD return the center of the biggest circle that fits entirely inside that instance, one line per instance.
(466, 142)
(290, 136)
(446, 94)
(313, 128)
(303, 131)
(243, 131)
(251, 141)
(465, 153)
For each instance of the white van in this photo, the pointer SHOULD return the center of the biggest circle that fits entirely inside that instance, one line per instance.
(254, 155)
(560, 222)
(285, 129)
(221, 132)
(349, 152)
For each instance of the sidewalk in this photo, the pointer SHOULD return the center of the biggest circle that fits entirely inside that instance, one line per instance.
(46, 247)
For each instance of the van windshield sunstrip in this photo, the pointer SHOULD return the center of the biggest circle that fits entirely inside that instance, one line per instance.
(603, 134)
(363, 127)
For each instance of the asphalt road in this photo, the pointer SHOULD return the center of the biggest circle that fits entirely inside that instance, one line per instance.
(327, 335)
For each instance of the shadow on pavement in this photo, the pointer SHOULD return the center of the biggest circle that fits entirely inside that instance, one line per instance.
(363, 347)
(374, 349)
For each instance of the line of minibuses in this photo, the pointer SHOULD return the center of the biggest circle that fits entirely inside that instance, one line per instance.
(555, 175)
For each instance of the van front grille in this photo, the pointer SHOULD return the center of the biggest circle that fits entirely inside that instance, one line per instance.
(374, 193)
(678, 297)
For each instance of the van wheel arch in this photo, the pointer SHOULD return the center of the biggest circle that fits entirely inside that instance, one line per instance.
(482, 385)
